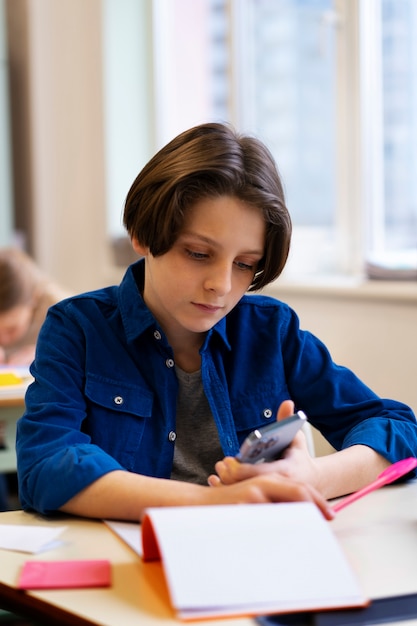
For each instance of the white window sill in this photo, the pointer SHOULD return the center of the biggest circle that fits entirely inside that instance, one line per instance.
(344, 287)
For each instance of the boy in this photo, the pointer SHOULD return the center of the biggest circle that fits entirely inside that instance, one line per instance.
(142, 390)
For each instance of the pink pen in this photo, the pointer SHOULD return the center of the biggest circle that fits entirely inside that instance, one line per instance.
(391, 473)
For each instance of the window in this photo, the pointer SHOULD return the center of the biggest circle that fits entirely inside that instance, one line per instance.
(285, 61)
(330, 86)
(389, 92)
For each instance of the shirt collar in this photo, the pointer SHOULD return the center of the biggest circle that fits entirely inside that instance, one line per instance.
(136, 316)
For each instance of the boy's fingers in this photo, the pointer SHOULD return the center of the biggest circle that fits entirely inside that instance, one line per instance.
(285, 410)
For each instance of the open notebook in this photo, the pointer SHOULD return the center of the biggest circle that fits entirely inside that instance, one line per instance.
(249, 559)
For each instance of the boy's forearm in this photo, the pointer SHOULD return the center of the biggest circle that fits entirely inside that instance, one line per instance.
(125, 495)
(348, 470)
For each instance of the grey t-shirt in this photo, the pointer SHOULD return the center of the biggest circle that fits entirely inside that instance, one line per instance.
(197, 446)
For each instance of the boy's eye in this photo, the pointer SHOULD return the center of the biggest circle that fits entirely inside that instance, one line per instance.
(196, 255)
(245, 266)
(203, 256)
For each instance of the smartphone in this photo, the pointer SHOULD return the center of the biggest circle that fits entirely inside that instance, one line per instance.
(268, 442)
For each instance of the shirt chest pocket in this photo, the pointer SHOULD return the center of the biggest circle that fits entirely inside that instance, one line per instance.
(252, 413)
(117, 415)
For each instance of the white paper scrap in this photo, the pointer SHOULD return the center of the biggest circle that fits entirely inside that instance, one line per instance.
(32, 539)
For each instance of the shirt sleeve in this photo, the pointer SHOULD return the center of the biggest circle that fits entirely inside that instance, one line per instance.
(55, 458)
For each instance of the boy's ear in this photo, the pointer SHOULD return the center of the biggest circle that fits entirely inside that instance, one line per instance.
(140, 249)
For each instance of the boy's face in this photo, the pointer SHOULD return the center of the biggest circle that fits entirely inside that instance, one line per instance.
(208, 269)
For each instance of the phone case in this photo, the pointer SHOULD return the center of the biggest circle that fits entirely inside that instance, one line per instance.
(268, 442)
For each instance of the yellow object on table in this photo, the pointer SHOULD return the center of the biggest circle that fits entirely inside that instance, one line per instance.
(10, 378)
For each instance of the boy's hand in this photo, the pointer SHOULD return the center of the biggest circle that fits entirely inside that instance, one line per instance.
(295, 463)
(268, 488)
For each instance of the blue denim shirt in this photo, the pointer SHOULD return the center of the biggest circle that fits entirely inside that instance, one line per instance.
(104, 396)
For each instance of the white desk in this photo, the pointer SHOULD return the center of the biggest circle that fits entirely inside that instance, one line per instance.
(378, 533)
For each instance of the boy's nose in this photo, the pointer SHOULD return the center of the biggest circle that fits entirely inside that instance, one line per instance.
(219, 280)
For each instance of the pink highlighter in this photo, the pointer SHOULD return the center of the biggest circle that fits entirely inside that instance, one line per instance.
(391, 473)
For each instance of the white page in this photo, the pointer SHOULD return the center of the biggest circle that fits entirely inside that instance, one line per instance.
(252, 558)
(130, 532)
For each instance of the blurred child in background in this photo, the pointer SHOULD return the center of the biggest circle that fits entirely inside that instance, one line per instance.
(25, 296)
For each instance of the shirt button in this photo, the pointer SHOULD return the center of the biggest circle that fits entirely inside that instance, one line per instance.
(157, 334)
(169, 363)
(267, 413)
(172, 436)
(118, 400)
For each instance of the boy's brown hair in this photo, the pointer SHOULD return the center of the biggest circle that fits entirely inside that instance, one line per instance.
(209, 160)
